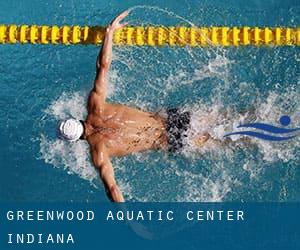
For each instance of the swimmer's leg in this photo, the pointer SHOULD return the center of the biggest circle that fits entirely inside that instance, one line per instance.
(200, 140)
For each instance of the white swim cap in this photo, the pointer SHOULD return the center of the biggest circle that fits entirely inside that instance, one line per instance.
(70, 130)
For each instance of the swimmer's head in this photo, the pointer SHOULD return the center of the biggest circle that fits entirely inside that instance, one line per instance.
(70, 130)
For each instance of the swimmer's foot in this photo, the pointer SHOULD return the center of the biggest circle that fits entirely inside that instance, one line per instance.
(200, 140)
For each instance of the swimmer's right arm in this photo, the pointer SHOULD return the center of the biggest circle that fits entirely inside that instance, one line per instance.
(105, 56)
(103, 164)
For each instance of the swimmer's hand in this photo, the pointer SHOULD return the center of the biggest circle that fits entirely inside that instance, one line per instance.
(115, 24)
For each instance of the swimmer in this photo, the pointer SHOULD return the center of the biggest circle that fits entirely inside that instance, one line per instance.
(114, 130)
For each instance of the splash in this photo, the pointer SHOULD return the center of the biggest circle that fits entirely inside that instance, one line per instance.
(217, 120)
(73, 158)
(192, 185)
(68, 105)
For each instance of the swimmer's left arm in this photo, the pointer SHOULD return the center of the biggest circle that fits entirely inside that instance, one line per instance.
(103, 164)
(105, 56)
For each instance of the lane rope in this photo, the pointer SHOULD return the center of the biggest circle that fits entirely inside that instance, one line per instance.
(152, 35)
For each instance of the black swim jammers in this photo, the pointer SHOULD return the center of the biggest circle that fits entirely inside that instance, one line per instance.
(177, 124)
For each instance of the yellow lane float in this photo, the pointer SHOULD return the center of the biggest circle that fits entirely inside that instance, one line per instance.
(152, 35)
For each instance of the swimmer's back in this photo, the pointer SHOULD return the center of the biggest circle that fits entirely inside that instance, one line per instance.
(126, 130)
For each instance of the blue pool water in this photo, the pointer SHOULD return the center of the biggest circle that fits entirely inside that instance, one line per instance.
(42, 84)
